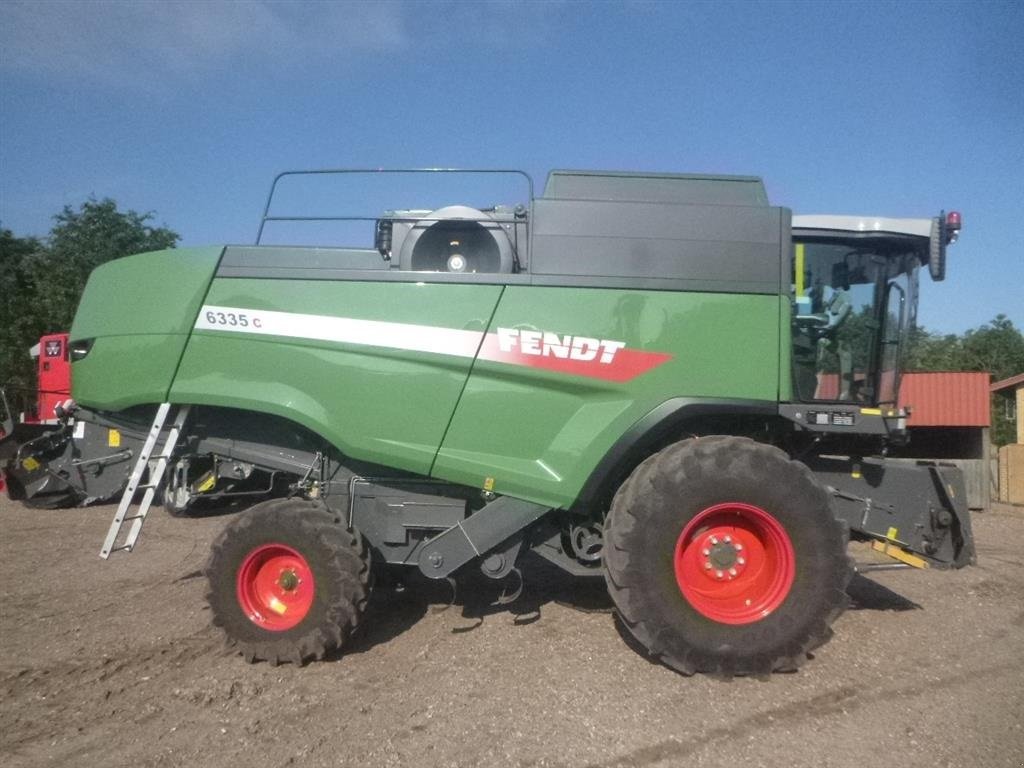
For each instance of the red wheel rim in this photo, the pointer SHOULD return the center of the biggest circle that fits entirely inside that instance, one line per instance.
(275, 587)
(734, 563)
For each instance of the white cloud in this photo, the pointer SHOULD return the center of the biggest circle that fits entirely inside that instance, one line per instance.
(127, 43)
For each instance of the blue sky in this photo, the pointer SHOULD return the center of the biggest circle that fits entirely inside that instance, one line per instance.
(189, 109)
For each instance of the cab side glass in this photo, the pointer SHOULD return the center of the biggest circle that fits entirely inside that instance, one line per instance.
(836, 323)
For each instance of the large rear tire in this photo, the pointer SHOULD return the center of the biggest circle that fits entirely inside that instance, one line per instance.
(724, 556)
(288, 582)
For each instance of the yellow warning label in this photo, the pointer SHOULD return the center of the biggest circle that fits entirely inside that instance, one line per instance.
(893, 533)
(113, 438)
(206, 482)
(871, 411)
(277, 606)
(489, 484)
(30, 464)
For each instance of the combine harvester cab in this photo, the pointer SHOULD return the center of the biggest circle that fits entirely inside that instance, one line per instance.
(657, 379)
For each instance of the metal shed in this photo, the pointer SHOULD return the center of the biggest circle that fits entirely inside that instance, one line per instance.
(950, 419)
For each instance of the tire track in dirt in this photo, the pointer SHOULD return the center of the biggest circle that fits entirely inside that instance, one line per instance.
(841, 700)
(89, 691)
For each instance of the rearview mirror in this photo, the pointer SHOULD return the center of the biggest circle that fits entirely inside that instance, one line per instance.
(945, 230)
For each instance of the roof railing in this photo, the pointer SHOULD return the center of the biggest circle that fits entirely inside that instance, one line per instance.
(376, 171)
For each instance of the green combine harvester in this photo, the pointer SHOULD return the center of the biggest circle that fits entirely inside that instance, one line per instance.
(657, 379)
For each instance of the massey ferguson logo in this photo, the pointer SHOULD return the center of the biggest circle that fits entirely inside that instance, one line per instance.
(53, 349)
(594, 358)
(545, 344)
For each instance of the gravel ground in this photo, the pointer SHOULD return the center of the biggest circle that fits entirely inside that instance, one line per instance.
(114, 663)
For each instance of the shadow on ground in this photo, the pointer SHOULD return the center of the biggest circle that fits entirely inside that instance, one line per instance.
(401, 599)
(868, 595)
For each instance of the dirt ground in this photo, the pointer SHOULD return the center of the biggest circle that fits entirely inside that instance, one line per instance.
(114, 663)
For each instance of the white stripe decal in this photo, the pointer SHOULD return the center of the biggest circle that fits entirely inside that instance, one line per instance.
(347, 330)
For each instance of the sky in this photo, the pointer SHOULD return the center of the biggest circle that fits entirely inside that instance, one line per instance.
(188, 109)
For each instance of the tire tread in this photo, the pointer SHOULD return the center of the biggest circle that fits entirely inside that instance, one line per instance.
(343, 554)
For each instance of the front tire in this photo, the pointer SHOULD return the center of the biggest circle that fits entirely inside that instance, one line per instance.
(724, 556)
(287, 581)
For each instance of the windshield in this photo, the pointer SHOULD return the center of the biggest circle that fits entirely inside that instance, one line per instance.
(853, 303)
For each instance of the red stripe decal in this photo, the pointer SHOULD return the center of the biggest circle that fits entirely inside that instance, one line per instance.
(577, 356)
(605, 359)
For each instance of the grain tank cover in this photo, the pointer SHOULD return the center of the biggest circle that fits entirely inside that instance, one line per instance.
(659, 231)
(676, 188)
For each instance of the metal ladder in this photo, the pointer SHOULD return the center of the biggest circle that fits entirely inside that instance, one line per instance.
(156, 474)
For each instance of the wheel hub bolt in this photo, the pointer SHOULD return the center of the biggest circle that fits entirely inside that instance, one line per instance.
(720, 557)
(288, 581)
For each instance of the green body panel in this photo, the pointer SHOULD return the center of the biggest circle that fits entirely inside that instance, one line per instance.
(389, 406)
(526, 431)
(539, 434)
(139, 312)
(121, 371)
(785, 349)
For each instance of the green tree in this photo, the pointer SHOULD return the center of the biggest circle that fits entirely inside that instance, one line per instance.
(42, 280)
(82, 240)
(20, 318)
(997, 347)
(932, 352)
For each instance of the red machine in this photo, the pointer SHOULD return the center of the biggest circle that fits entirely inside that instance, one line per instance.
(26, 417)
(54, 376)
